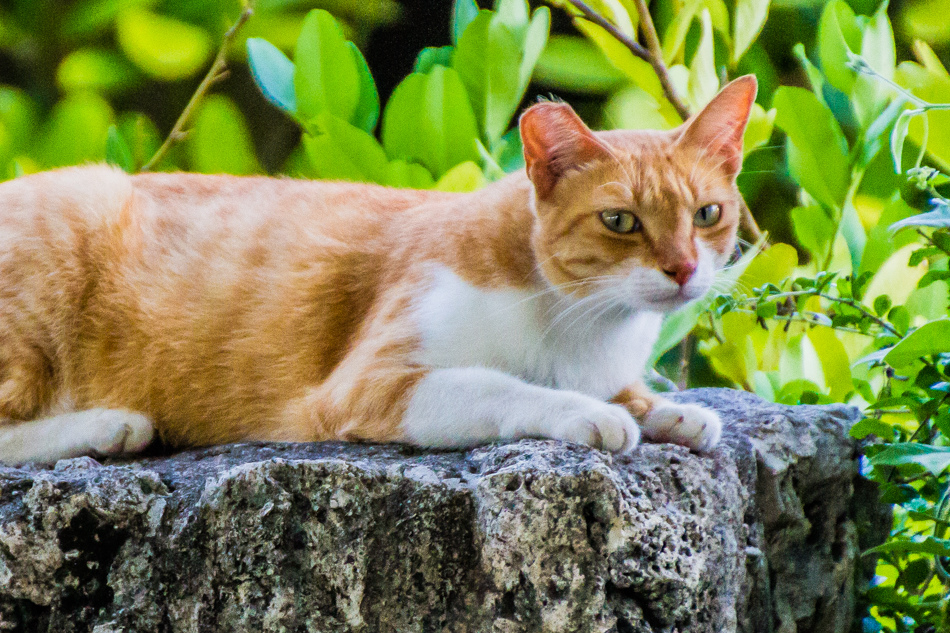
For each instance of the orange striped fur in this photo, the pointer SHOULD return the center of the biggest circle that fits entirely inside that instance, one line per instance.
(251, 308)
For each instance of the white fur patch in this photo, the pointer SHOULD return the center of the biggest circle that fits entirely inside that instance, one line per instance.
(537, 336)
(510, 363)
(101, 432)
(471, 405)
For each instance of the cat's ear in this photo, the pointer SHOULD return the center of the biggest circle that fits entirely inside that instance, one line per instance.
(718, 128)
(556, 141)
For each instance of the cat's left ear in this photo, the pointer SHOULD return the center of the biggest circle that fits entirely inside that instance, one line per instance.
(556, 141)
(718, 128)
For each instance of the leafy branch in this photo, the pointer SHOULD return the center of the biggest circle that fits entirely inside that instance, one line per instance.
(653, 56)
(216, 73)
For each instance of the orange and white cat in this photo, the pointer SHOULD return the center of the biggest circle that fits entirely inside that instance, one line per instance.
(213, 309)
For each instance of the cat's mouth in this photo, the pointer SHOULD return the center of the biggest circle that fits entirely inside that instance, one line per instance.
(666, 299)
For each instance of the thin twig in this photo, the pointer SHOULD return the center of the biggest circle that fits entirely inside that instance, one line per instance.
(851, 303)
(592, 16)
(216, 73)
(854, 305)
(656, 58)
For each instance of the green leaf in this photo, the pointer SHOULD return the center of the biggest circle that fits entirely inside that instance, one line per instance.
(464, 177)
(220, 142)
(399, 173)
(495, 58)
(675, 35)
(510, 152)
(273, 72)
(853, 233)
(935, 88)
(163, 47)
(882, 305)
(327, 77)
(703, 82)
(463, 12)
(430, 120)
(814, 229)
(118, 152)
(815, 78)
(512, 13)
(91, 17)
(930, 338)
(433, 56)
(770, 266)
(76, 131)
(142, 137)
(934, 459)
(869, 426)
(817, 149)
(366, 114)
(838, 34)
(576, 64)
(19, 116)
(633, 108)
(486, 58)
(759, 129)
(535, 39)
(341, 151)
(95, 69)
(749, 19)
(766, 309)
(869, 94)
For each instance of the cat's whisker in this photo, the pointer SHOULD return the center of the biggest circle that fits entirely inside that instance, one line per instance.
(607, 304)
(583, 303)
(600, 300)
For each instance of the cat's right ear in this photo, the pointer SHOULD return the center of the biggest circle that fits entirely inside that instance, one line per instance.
(555, 141)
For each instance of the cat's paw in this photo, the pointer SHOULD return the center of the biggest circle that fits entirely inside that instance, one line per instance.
(598, 424)
(117, 432)
(689, 425)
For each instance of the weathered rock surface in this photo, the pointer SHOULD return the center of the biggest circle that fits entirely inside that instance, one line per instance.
(530, 536)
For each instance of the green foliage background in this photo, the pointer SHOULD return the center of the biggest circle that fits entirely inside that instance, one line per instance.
(845, 160)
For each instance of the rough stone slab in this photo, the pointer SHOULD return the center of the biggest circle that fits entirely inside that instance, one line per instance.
(533, 536)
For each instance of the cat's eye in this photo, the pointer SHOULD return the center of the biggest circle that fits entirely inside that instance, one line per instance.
(708, 215)
(620, 221)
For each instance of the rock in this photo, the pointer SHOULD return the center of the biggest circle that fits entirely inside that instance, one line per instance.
(533, 536)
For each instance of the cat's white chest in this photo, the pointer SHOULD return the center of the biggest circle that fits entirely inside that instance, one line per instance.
(532, 336)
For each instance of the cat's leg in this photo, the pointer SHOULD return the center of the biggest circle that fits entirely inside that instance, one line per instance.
(96, 432)
(662, 420)
(463, 407)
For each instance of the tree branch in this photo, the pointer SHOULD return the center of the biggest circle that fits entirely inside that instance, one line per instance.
(216, 73)
(595, 18)
(653, 56)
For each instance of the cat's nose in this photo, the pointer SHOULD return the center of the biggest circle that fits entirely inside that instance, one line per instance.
(682, 272)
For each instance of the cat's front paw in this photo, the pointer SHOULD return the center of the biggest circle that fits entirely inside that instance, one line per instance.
(598, 424)
(118, 432)
(689, 425)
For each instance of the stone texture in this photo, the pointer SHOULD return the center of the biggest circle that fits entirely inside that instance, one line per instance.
(762, 535)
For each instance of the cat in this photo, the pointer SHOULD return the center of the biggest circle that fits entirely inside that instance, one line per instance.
(215, 309)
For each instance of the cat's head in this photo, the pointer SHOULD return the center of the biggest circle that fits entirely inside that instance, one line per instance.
(642, 217)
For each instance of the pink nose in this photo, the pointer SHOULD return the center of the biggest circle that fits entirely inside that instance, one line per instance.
(682, 272)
